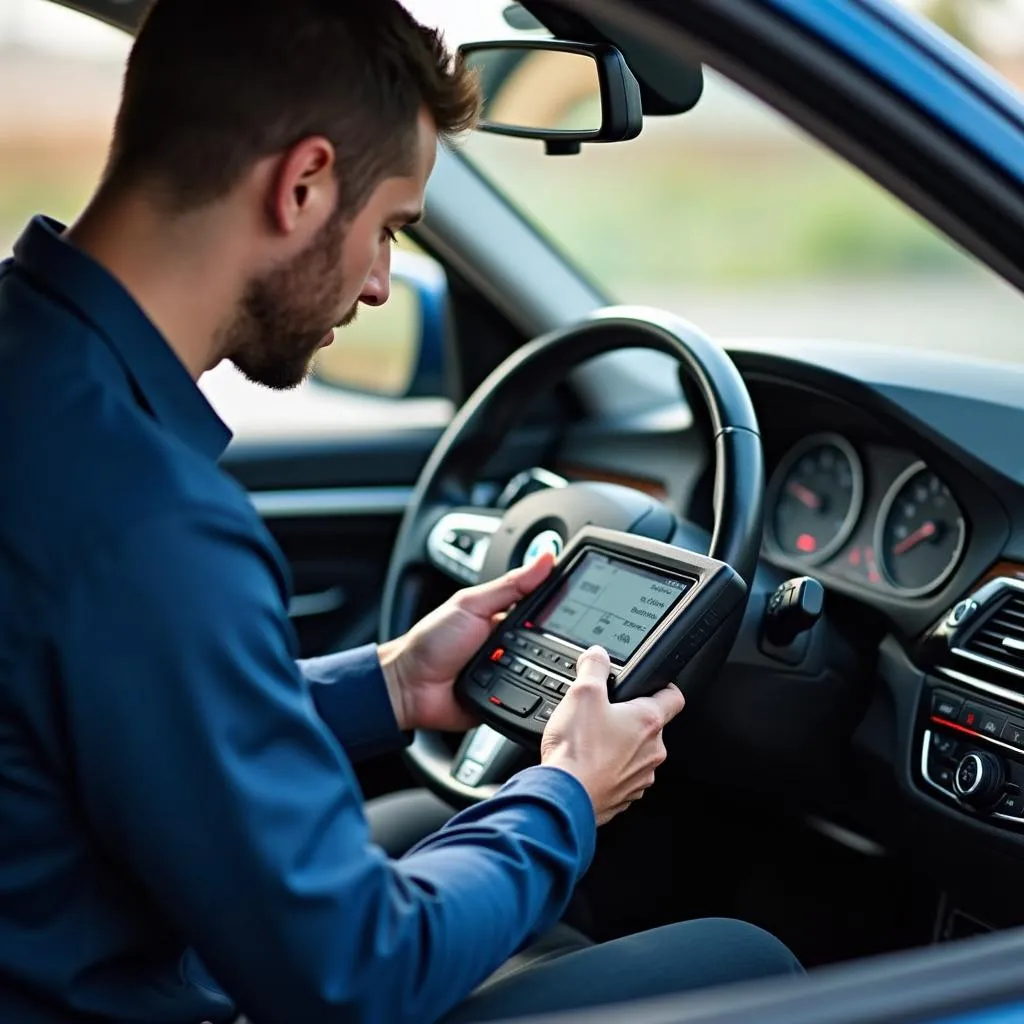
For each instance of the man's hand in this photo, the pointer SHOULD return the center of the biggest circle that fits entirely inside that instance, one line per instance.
(421, 666)
(613, 749)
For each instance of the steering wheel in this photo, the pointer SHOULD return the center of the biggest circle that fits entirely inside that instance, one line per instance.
(442, 530)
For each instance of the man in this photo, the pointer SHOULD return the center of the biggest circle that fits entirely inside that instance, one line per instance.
(181, 833)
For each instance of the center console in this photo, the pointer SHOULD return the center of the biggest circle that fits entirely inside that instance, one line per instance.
(969, 730)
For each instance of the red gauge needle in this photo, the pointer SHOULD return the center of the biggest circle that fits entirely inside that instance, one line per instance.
(804, 495)
(923, 532)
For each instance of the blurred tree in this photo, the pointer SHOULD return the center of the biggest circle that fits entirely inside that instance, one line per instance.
(957, 17)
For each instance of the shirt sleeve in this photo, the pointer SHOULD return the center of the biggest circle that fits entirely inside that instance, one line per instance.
(206, 771)
(351, 696)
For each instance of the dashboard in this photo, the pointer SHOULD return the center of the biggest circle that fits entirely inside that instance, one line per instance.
(872, 515)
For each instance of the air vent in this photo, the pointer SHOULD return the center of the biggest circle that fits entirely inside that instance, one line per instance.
(1000, 637)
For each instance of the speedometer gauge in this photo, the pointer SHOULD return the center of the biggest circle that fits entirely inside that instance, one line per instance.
(920, 532)
(815, 498)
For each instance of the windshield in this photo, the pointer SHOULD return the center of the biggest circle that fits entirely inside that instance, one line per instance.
(734, 218)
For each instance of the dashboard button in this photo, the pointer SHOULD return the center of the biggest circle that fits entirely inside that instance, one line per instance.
(1013, 733)
(982, 720)
(519, 668)
(970, 716)
(1011, 804)
(545, 713)
(533, 676)
(961, 612)
(944, 746)
(943, 777)
(968, 775)
(946, 706)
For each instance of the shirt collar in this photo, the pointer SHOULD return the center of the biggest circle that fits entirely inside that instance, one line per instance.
(160, 379)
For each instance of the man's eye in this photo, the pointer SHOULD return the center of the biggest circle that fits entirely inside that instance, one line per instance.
(391, 236)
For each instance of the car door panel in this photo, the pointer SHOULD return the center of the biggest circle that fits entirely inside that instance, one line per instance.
(334, 507)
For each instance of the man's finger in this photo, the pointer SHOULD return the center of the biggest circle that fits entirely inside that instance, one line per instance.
(487, 599)
(592, 669)
(669, 701)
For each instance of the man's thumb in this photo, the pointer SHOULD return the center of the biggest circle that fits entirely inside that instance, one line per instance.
(593, 668)
(489, 598)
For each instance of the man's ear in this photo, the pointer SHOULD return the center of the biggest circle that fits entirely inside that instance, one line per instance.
(304, 189)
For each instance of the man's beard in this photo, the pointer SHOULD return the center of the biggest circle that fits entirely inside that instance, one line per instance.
(284, 315)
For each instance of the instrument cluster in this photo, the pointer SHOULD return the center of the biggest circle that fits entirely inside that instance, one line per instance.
(875, 516)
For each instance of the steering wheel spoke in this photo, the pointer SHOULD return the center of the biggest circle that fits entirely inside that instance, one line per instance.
(484, 760)
(458, 542)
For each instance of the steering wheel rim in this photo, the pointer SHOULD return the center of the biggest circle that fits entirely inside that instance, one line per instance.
(446, 480)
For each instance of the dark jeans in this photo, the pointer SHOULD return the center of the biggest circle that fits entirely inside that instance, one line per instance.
(664, 961)
(557, 974)
(565, 972)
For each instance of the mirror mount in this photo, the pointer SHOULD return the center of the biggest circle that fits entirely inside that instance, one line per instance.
(562, 148)
(517, 96)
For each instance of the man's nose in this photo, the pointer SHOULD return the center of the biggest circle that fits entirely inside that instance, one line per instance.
(378, 285)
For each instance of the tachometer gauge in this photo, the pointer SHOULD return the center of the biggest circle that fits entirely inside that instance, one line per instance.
(815, 498)
(920, 532)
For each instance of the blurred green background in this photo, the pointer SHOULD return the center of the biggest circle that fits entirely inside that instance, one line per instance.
(728, 215)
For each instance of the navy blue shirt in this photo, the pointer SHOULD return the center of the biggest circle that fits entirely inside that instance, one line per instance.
(181, 833)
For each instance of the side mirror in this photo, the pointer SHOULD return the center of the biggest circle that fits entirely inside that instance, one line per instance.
(561, 93)
(396, 350)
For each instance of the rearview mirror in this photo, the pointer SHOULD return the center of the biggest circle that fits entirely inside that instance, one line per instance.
(560, 93)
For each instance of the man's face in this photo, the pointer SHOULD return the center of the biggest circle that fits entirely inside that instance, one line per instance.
(290, 313)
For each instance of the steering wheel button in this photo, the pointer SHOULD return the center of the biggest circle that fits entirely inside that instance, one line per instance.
(484, 745)
(514, 698)
(469, 773)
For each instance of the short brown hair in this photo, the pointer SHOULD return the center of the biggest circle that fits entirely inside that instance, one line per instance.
(212, 86)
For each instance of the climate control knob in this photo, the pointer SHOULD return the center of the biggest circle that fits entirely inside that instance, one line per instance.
(978, 780)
